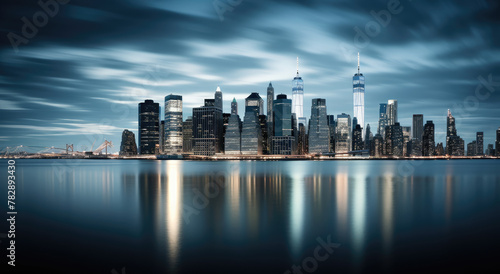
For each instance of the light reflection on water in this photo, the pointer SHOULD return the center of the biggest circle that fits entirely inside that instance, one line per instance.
(257, 216)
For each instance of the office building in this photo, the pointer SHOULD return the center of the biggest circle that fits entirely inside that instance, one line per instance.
(207, 129)
(392, 112)
(479, 143)
(394, 140)
(331, 127)
(319, 141)
(428, 139)
(497, 143)
(343, 142)
(149, 127)
(172, 143)
(382, 119)
(232, 141)
(418, 126)
(187, 136)
(251, 135)
(283, 141)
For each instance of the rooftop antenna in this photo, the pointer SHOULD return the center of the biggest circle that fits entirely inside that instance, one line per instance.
(297, 65)
(358, 62)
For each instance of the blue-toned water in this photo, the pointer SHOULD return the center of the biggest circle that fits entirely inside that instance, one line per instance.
(127, 216)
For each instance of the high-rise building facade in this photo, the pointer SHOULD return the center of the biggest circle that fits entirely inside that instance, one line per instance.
(454, 144)
(479, 143)
(406, 140)
(394, 140)
(128, 146)
(497, 143)
(232, 142)
(358, 92)
(382, 119)
(283, 141)
(251, 134)
(298, 97)
(234, 107)
(218, 99)
(343, 135)
(172, 143)
(319, 141)
(418, 126)
(149, 127)
(357, 141)
(392, 112)
(270, 102)
(428, 144)
(207, 129)
(187, 135)
(331, 127)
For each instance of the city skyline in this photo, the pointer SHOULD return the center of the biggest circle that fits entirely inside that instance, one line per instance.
(78, 88)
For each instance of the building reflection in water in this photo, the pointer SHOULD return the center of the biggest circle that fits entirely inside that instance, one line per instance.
(358, 205)
(173, 218)
(342, 199)
(297, 204)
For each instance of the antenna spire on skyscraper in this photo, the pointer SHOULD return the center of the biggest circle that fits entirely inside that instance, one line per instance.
(358, 62)
(297, 65)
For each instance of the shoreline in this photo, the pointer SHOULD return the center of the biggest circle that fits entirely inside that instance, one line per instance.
(244, 157)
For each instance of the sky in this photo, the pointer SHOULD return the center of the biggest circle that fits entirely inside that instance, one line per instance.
(73, 72)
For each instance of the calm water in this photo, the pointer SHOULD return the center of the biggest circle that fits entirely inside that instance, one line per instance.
(100, 216)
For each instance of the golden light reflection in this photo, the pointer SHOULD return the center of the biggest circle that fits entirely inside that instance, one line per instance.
(174, 207)
(387, 211)
(342, 199)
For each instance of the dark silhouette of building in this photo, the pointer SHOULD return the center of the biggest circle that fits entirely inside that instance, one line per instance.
(234, 107)
(149, 127)
(428, 139)
(378, 146)
(418, 126)
(440, 149)
(497, 143)
(283, 141)
(331, 127)
(471, 148)
(479, 143)
(128, 146)
(187, 136)
(207, 129)
(394, 140)
(357, 141)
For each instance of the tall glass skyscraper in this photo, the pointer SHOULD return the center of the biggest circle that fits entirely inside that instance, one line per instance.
(392, 112)
(149, 127)
(283, 141)
(319, 141)
(298, 97)
(172, 141)
(270, 102)
(343, 135)
(232, 142)
(251, 134)
(418, 126)
(479, 143)
(382, 119)
(358, 92)
(428, 139)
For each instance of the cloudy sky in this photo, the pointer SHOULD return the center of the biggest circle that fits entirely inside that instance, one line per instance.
(77, 74)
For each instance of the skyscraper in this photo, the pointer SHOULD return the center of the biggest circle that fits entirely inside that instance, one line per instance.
(234, 107)
(343, 135)
(497, 143)
(149, 127)
(128, 146)
(358, 88)
(394, 140)
(382, 119)
(357, 141)
(392, 112)
(298, 97)
(454, 144)
(251, 135)
(418, 126)
(283, 141)
(187, 135)
(406, 140)
(207, 129)
(173, 125)
(270, 102)
(319, 141)
(331, 126)
(479, 143)
(232, 140)
(254, 102)
(218, 98)
(428, 139)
